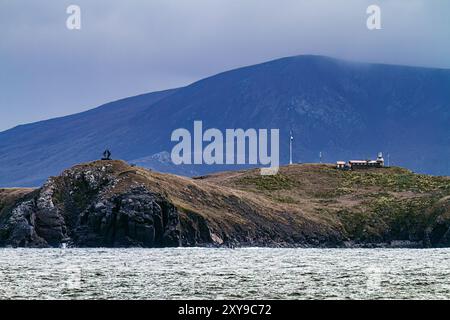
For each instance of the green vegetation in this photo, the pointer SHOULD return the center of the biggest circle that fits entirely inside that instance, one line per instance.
(371, 206)
(267, 183)
(386, 218)
(284, 199)
(395, 179)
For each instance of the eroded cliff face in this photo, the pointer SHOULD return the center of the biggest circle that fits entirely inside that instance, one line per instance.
(91, 207)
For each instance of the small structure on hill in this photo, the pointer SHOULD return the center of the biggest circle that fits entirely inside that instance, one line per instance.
(340, 164)
(361, 164)
(106, 155)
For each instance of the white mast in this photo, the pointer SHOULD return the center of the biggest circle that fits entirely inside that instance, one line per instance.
(290, 147)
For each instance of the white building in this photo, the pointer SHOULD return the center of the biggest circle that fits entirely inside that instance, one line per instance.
(362, 164)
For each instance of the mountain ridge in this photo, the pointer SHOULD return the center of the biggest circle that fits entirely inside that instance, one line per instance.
(340, 108)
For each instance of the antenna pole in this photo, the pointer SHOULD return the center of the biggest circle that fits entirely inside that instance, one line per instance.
(291, 138)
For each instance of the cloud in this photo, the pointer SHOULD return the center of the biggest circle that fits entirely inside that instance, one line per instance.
(131, 47)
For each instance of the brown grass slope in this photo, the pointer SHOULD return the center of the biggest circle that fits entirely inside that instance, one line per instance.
(386, 206)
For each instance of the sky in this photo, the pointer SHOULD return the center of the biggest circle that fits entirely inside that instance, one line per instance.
(125, 48)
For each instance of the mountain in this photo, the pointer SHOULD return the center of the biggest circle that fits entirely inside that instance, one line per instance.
(112, 204)
(343, 109)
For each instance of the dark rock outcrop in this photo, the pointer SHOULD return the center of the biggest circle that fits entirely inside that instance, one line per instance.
(438, 233)
(86, 207)
(134, 218)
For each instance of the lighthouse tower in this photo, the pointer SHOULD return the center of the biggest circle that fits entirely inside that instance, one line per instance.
(380, 159)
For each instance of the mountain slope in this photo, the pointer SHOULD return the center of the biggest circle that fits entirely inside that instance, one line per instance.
(343, 109)
(30, 153)
(109, 203)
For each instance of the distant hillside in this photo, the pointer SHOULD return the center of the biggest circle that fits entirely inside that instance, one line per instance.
(109, 203)
(343, 109)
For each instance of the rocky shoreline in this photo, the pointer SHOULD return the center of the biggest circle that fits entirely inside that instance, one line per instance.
(111, 204)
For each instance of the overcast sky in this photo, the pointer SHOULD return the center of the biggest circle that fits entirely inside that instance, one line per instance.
(130, 47)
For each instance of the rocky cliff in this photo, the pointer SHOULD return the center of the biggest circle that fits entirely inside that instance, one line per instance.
(112, 204)
(91, 205)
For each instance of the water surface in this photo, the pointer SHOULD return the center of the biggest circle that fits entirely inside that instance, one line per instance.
(197, 273)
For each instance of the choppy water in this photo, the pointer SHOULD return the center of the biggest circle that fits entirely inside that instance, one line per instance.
(224, 273)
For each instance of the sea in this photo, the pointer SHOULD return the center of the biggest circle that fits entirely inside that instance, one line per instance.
(211, 273)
